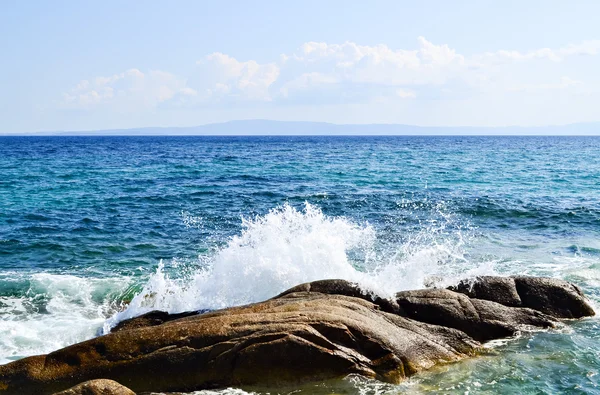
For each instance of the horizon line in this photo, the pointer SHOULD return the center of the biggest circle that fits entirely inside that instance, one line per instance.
(158, 129)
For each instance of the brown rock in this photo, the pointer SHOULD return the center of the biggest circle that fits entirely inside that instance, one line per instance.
(497, 289)
(152, 318)
(298, 337)
(554, 297)
(313, 332)
(347, 288)
(483, 320)
(97, 387)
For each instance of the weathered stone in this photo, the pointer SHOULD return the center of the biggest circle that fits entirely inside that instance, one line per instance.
(347, 288)
(481, 319)
(313, 332)
(97, 387)
(554, 297)
(152, 318)
(497, 289)
(298, 337)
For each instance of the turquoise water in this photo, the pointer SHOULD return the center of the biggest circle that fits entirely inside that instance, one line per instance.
(97, 229)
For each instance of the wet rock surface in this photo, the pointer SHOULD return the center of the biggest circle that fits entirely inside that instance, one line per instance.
(483, 320)
(316, 331)
(554, 297)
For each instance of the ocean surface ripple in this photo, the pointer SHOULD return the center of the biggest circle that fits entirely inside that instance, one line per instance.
(94, 230)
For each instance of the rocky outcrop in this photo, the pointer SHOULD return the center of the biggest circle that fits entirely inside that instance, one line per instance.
(97, 387)
(557, 298)
(483, 320)
(315, 331)
(298, 337)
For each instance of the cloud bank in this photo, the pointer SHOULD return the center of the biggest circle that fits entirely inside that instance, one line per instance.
(321, 73)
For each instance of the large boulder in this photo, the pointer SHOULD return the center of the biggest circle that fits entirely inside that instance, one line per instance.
(299, 337)
(312, 332)
(481, 319)
(97, 387)
(554, 297)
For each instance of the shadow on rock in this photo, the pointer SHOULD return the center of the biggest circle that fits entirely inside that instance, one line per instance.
(316, 331)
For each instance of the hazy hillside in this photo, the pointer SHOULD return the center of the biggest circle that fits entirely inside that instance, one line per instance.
(272, 128)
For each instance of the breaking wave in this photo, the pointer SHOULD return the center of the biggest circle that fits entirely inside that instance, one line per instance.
(288, 246)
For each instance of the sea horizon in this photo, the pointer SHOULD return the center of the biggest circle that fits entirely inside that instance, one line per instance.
(261, 127)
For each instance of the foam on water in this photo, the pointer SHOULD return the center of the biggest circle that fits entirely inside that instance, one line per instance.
(283, 248)
(55, 311)
(41, 312)
(287, 247)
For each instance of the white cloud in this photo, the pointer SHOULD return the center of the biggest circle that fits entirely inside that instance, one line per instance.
(364, 72)
(405, 94)
(319, 72)
(377, 64)
(591, 47)
(224, 75)
(131, 87)
(306, 81)
(564, 83)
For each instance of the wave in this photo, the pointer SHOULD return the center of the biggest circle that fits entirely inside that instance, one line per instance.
(517, 213)
(42, 312)
(583, 250)
(288, 246)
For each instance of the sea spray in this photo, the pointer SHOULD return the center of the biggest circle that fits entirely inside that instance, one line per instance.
(288, 246)
(50, 311)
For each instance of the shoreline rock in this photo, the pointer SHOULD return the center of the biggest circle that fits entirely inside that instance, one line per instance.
(557, 298)
(97, 387)
(315, 331)
(483, 320)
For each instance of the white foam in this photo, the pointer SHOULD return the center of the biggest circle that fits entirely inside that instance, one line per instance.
(287, 247)
(58, 310)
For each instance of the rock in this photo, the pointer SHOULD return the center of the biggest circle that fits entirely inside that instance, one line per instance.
(152, 318)
(483, 320)
(312, 332)
(556, 298)
(97, 387)
(343, 287)
(497, 289)
(298, 337)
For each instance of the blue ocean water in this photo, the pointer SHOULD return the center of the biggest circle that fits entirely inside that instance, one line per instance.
(97, 229)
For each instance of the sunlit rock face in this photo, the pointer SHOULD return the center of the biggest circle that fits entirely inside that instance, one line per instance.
(315, 331)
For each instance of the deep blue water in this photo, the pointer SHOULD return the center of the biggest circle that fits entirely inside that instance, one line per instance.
(85, 222)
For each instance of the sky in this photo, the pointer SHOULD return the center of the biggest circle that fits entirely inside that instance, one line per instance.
(90, 65)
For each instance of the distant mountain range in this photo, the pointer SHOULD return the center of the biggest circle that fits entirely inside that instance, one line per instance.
(282, 128)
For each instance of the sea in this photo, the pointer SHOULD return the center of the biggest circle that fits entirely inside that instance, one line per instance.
(94, 230)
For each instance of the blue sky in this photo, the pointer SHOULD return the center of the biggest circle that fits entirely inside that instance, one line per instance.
(70, 65)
